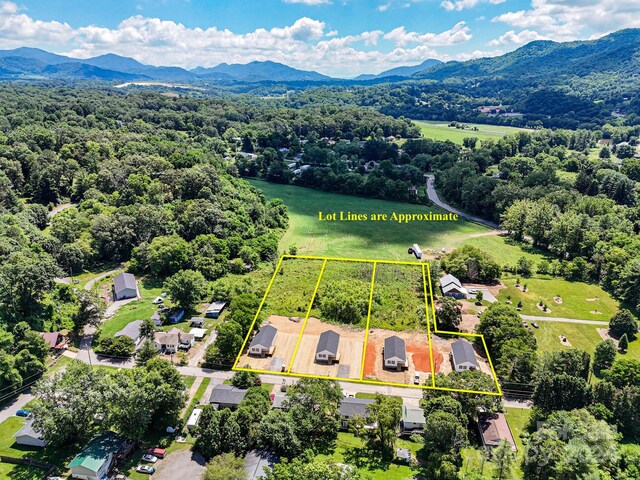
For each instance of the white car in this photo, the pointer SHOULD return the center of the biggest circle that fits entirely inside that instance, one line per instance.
(149, 458)
(145, 469)
(416, 379)
(158, 301)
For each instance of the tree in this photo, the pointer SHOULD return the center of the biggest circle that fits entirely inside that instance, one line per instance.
(89, 312)
(604, 355)
(117, 346)
(448, 314)
(225, 467)
(307, 468)
(444, 432)
(624, 372)
(278, 434)
(167, 255)
(623, 322)
(385, 413)
(146, 353)
(344, 301)
(147, 329)
(560, 392)
(186, 287)
(227, 345)
(479, 296)
(244, 380)
(623, 344)
(502, 457)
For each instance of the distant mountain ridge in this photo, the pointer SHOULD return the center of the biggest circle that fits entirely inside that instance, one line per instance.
(401, 71)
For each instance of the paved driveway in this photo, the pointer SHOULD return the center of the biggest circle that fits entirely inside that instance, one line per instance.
(181, 464)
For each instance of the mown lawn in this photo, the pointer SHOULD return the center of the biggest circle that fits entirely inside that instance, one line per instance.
(518, 419)
(386, 240)
(438, 130)
(504, 250)
(575, 296)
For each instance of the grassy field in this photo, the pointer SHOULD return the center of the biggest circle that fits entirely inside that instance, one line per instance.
(578, 298)
(386, 240)
(504, 250)
(439, 130)
(518, 419)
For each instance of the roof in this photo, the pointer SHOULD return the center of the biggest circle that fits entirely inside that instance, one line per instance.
(131, 330)
(198, 332)
(403, 453)
(462, 352)
(413, 415)
(450, 279)
(227, 394)
(264, 337)
(97, 451)
(176, 313)
(278, 399)
(494, 428)
(328, 342)
(124, 281)
(394, 347)
(194, 417)
(51, 338)
(453, 286)
(28, 431)
(354, 407)
(197, 320)
(186, 337)
(216, 306)
(164, 338)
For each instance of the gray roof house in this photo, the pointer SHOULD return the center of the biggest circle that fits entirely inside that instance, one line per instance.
(262, 343)
(226, 396)
(124, 286)
(463, 356)
(327, 349)
(131, 330)
(351, 408)
(451, 287)
(215, 309)
(28, 436)
(395, 353)
(412, 418)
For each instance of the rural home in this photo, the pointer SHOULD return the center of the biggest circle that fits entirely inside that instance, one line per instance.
(124, 286)
(395, 353)
(327, 349)
(53, 339)
(451, 287)
(226, 396)
(28, 436)
(176, 315)
(215, 309)
(463, 356)
(412, 418)
(194, 418)
(262, 343)
(351, 408)
(95, 460)
(131, 330)
(493, 428)
(166, 342)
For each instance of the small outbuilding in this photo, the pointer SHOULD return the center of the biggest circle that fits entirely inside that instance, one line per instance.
(198, 333)
(263, 342)
(176, 315)
(463, 356)
(28, 436)
(194, 418)
(53, 339)
(125, 286)
(214, 310)
(327, 349)
(412, 418)
(452, 287)
(197, 322)
(395, 353)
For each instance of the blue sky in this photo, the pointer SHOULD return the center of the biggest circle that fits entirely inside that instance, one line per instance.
(335, 37)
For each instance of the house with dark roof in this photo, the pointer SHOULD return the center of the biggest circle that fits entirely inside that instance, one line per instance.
(263, 341)
(351, 408)
(494, 428)
(176, 315)
(451, 287)
(395, 353)
(125, 286)
(131, 330)
(463, 356)
(28, 436)
(53, 339)
(197, 322)
(327, 349)
(96, 459)
(226, 396)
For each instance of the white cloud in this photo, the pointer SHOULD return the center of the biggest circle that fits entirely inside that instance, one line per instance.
(459, 5)
(309, 2)
(513, 38)
(458, 34)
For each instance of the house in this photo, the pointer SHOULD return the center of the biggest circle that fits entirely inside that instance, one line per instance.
(166, 342)
(262, 343)
(278, 399)
(194, 418)
(226, 396)
(156, 318)
(463, 356)
(186, 340)
(131, 330)
(95, 460)
(176, 315)
(197, 322)
(370, 166)
(53, 339)
(412, 418)
(198, 333)
(215, 309)
(28, 436)
(395, 353)
(124, 286)
(493, 428)
(327, 349)
(351, 408)
(451, 287)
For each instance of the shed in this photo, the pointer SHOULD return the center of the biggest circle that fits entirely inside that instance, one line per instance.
(215, 309)
(327, 349)
(395, 353)
(28, 436)
(197, 321)
(463, 356)
(262, 343)
(176, 315)
(493, 429)
(403, 454)
(278, 399)
(198, 333)
(131, 330)
(194, 418)
(226, 396)
(124, 286)
(95, 459)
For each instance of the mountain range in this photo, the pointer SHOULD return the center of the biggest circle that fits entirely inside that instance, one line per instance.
(401, 71)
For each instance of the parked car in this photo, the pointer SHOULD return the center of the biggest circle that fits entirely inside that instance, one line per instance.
(535, 325)
(145, 469)
(416, 379)
(149, 458)
(23, 413)
(157, 452)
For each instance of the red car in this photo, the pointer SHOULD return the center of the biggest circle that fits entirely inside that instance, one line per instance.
(157, 452)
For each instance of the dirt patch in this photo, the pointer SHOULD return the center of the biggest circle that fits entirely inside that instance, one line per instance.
(594, 299)
(595, 312)
(558, 300)
(564, 341)
(541, 308)
(469, 323)
(604, 334)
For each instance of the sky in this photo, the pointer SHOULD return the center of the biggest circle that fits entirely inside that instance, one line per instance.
(340, 38)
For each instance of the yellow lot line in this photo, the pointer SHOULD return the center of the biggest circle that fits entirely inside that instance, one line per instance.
(366, 330)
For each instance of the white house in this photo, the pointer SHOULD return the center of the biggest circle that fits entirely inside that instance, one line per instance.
(263, 342)
(166, 342)
(412, 418)
(395, 353)
(463, 356)
(327, 349)
(124, 286)
(451, 287)
(28, 436)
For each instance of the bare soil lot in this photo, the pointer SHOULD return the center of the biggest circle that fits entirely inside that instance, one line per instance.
(350, 350)
(285, 343)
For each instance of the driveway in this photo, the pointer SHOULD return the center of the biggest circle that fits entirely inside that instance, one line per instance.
(180, 464)
(537, 318)
(9, 410)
